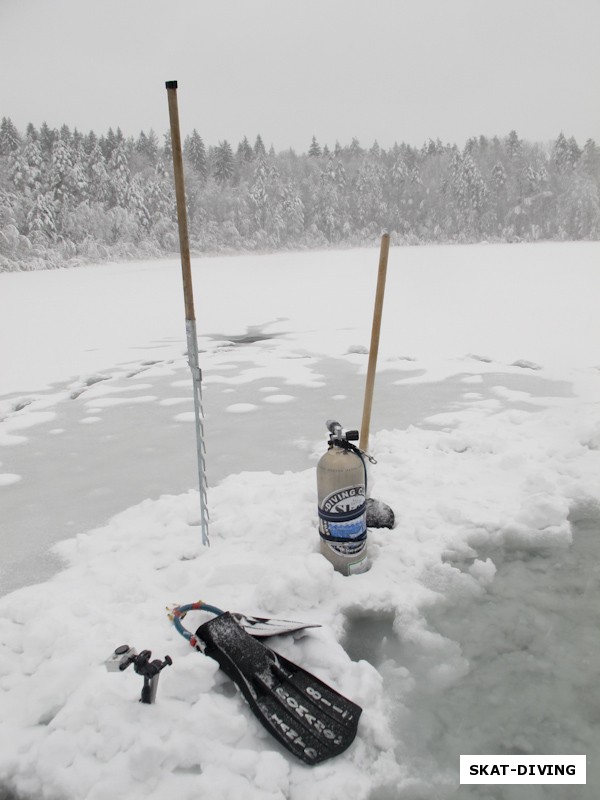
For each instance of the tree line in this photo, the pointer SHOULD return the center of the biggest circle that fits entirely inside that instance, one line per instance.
(67, 197)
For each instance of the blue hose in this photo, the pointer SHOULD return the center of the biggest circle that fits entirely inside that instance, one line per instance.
(179, 612)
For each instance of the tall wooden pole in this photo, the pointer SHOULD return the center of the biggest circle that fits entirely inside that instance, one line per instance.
(188, 297)
(374, 348)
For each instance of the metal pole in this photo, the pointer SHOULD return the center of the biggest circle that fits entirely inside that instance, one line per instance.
(374, 349)
(188, 296)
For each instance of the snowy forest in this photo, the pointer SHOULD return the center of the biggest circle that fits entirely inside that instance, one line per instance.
(68, 198)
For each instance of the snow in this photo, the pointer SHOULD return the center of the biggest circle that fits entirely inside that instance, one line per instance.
(279, 398)
(241, 408)
(475, 629)
(6, 478)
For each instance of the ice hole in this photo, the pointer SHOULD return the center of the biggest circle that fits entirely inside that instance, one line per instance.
(370, 636)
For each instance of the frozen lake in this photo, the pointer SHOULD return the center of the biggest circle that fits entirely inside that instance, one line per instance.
(74, 473)
(474, 629)
(285, 334)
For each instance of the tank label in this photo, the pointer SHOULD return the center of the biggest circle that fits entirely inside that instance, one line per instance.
(344, 500)
(342, 516)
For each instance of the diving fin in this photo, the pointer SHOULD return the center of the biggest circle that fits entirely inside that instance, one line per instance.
(309, 718)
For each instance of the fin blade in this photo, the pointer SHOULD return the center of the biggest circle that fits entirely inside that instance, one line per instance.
(308, 717)
(268, 626)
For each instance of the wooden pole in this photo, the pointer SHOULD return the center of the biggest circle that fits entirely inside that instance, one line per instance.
(374, 348)
(188, 297)
(184, 243)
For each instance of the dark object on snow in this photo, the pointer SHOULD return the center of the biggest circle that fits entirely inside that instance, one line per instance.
(309, 718)
(124, 656)
(259, 627)
(379, 515)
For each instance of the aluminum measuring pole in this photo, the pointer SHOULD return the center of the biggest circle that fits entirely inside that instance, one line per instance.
(188, 296)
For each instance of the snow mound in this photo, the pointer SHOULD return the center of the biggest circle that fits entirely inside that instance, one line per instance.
(436, 631)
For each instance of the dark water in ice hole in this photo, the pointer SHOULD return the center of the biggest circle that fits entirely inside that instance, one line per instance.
(533, 652)
(76, 480)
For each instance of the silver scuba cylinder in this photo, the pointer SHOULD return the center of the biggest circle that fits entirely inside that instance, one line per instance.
(341, 489)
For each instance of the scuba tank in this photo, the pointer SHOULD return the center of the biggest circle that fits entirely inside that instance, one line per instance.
(341, 489)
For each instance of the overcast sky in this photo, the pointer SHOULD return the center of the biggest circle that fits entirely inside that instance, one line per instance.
(385, 70)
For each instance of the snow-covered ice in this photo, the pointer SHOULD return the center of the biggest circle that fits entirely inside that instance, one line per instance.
(6, 478)
(475, 631)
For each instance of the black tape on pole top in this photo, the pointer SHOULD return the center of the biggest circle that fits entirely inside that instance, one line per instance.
(171, 85)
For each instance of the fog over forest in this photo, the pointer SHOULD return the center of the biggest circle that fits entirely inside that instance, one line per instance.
(69, 198)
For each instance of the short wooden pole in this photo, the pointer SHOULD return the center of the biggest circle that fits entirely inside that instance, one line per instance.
(374, 348)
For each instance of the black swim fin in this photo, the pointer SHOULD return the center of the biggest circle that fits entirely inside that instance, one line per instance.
(308, 717)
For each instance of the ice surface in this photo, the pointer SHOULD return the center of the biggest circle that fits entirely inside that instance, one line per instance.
(475, 629)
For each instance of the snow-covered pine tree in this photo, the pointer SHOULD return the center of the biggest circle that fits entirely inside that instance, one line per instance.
(293, 212)
(370, 205)
(195, 152)
(579, 208)
(166, 154)
(575, 151)
(266, 195)
(223, 162)
(26, 168)
(160, 199)
(61, 167)
(137, 202)
(498, 197)
(590, 160)
(90, 141)
(79, 188)
(468, 191)
(41, 220)
(330, 207)
(396, 180)
(108, 144)
(562, 155)
(65, 134)
(152, 147)
(355, 149)
(245, 153)
(141, 144)
(97, 175)
(514, 146)
(119, 177)
(314, 151)
(498, 176)
(47, 139)
(259, 147)
(9, 137)
(31, 134)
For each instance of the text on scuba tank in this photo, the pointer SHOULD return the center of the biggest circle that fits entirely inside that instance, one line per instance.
(345, 499)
